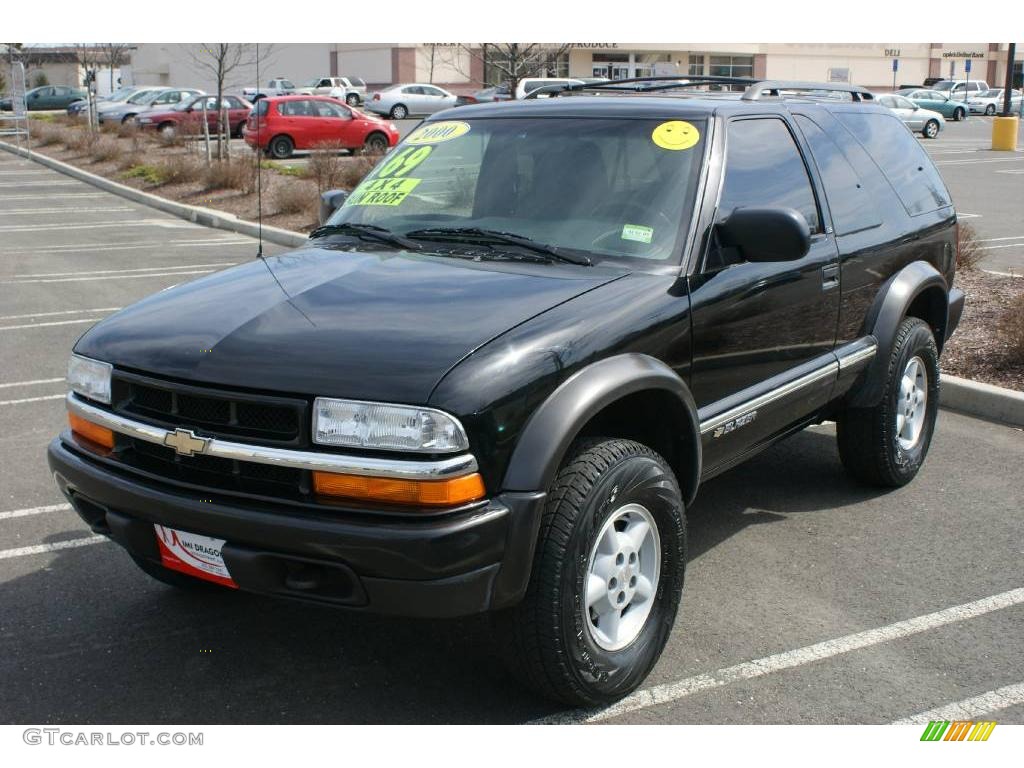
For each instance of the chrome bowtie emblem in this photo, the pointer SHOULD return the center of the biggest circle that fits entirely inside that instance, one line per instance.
(185, 442)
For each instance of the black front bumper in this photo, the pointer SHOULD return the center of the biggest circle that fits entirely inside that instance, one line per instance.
(452, 565)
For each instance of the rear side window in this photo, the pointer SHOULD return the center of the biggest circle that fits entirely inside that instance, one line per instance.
(261, 107)
(904, 163)
(851, 205)
(763, 167)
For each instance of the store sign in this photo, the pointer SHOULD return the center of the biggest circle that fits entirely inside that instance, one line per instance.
(964, 54)
(892, 53)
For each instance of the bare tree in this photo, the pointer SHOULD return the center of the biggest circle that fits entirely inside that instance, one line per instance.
(89, 57)
(516, 61)
(115, 55)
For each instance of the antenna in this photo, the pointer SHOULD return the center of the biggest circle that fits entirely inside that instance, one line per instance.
(259, 165)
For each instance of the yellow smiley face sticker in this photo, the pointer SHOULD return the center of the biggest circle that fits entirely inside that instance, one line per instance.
(675, 134)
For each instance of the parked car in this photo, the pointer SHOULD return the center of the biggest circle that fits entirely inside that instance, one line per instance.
(187, 115)
(401, 101)
(529, 84)
(351, 90)
(279, 125)
(936, 101)
(991, 101)
(956, 88)
(157, 100)
(497, 377)
(47, 97)
(82, 105)
(278, 86)
(918, 119)
(494, 93)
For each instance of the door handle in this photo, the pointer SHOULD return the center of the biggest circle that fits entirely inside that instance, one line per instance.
(829, 277)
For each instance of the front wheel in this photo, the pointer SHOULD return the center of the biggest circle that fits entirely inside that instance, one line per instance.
(399, 112)
(352, 100)
(607, 577)
(931, 129)
(990, 110)
(375, 144)
(887, 444)
(959, 114)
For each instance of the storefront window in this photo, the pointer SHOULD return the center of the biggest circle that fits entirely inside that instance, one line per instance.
(696, 64)
(732, 66)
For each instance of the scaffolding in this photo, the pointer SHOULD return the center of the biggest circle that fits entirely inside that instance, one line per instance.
(15, 123)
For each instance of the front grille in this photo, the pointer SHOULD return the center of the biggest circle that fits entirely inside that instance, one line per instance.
(212, 412)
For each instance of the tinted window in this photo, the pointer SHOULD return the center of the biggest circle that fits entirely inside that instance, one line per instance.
(897, 153)
(763, 167)
(851, 205)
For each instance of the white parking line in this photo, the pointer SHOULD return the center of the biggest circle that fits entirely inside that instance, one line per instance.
(34, 511)
(54, 183)
(969, 709)
(65, 196)
(998, 239)
(32, 211)
(49, 227)
(33, 399)
(669, 692)
(75, 249)
(62, 312)
(41, 548)
(994, 247)
(32, 383)
(975, 161)
(163, 268)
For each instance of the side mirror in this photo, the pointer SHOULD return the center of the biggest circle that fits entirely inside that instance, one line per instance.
(767, 234)
(330, 201)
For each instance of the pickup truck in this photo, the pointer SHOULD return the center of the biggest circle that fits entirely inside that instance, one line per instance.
(279, 86)
(351, 90)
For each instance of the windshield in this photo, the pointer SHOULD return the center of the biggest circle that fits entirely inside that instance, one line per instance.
(120, 93)
(312, 83)
(184, 104)
(140, 97)
(991, 92)
(147, 98)
(608, 187)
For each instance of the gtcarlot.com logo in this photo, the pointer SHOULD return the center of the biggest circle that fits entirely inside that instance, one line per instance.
(958, 730)
(77, 738)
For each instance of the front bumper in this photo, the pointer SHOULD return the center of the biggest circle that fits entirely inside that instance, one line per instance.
(445, 566)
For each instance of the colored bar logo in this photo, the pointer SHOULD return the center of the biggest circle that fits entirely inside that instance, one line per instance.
(958, 730)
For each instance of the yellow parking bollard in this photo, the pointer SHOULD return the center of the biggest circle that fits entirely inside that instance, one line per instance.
(1004, 133)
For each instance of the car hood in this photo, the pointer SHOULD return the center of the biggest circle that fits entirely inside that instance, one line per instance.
(320, 321)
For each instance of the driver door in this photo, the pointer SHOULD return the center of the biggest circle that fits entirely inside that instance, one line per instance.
(763, 332)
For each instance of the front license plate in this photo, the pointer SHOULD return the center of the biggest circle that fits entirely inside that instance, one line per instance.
(193, 554)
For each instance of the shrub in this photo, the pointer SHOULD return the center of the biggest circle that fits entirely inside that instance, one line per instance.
(968, 247)
(40, 80)
(356, 168)
(181, 169)
(110, 128)
(326, 165)
(80, 140)
(127, 130)
(1011, 328)
(46, 135)
(296, 198)
(151, 174)
(128, 160)
(104, 149)
(227, 174)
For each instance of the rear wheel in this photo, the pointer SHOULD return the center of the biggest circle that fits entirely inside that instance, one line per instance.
(167, 129)
(128, 119)
(352, 100)
(375, 144)
(281, 147)
(990, 110)
(959, 114)
(399, 112)
(607, 576)
(887, 444)
(931, 129)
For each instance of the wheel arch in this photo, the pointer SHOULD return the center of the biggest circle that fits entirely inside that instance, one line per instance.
(918, 290)
(605, 399)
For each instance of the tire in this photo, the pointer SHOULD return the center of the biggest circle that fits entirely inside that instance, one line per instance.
(127, 119)
(352, 100)
(281, 147)
(173, 578)
(870, 446)
(238, 132)
(931, 129)
(959, 114)
(376, 143)
(399, 112)
(990, 110)
(167, 129)
(551, 640)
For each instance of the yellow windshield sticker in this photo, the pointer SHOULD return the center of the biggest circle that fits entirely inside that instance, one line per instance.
(637, 233)
(675, 134)
(435, 133)
(402, 162)
(383, 192)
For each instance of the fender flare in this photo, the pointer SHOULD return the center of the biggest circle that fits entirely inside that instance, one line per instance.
(890, 307)
(542, 446)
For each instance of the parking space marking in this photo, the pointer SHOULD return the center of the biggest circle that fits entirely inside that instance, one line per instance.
(164, 268)
(975, 161)
(1017, 170)
(53, 183)
(48, 226)
(62, 312)
(33, 399)
(35, 211)
(32, 383)
(101, 277)
(39, 549)
(34, 511)
(137, 245)
(669, 692)
(23, 326)
(969, 709)
(7, 198)
(994, 247)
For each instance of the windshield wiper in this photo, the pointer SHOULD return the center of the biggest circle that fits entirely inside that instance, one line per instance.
(490, 236)
(367, 231)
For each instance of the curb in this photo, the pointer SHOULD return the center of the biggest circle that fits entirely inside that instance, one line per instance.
(986, 401)
(207, 217)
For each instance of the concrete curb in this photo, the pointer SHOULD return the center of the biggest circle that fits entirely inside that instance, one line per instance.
(207, 217)
(986, 401)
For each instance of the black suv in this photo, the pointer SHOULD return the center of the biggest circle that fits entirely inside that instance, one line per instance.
(494, 379)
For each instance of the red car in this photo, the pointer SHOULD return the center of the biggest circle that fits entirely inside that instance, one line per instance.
(188, 115)
(281, 124)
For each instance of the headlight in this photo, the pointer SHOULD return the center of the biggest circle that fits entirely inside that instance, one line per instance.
(357, 424)
(90, 378)
(144, 120)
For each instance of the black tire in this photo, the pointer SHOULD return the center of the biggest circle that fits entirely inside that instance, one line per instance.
(238, 132)
(167, 128)
(399, 112)
(352, 99)
(281, 147)
(959, 114)
(547, 639)
(869, 444)
(376, 143)
(173, 578)
(990, 110)
(127, 119)
(931, 129)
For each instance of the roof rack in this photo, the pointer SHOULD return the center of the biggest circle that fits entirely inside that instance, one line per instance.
(754, 89)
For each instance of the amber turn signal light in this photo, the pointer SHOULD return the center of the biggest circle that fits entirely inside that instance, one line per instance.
(92, 432)
(386, 490)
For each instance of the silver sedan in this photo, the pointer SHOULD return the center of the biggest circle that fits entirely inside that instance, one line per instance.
(917, 119)
(157, 98)
(400, 101)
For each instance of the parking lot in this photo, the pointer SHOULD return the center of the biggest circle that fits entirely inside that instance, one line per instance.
(809, 599)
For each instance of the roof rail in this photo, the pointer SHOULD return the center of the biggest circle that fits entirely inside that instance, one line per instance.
(775, 87)
(642, 84)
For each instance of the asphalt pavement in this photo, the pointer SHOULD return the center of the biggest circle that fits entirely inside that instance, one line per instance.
(809, 599)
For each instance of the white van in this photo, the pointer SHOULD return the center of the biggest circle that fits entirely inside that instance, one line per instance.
(955, 88)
